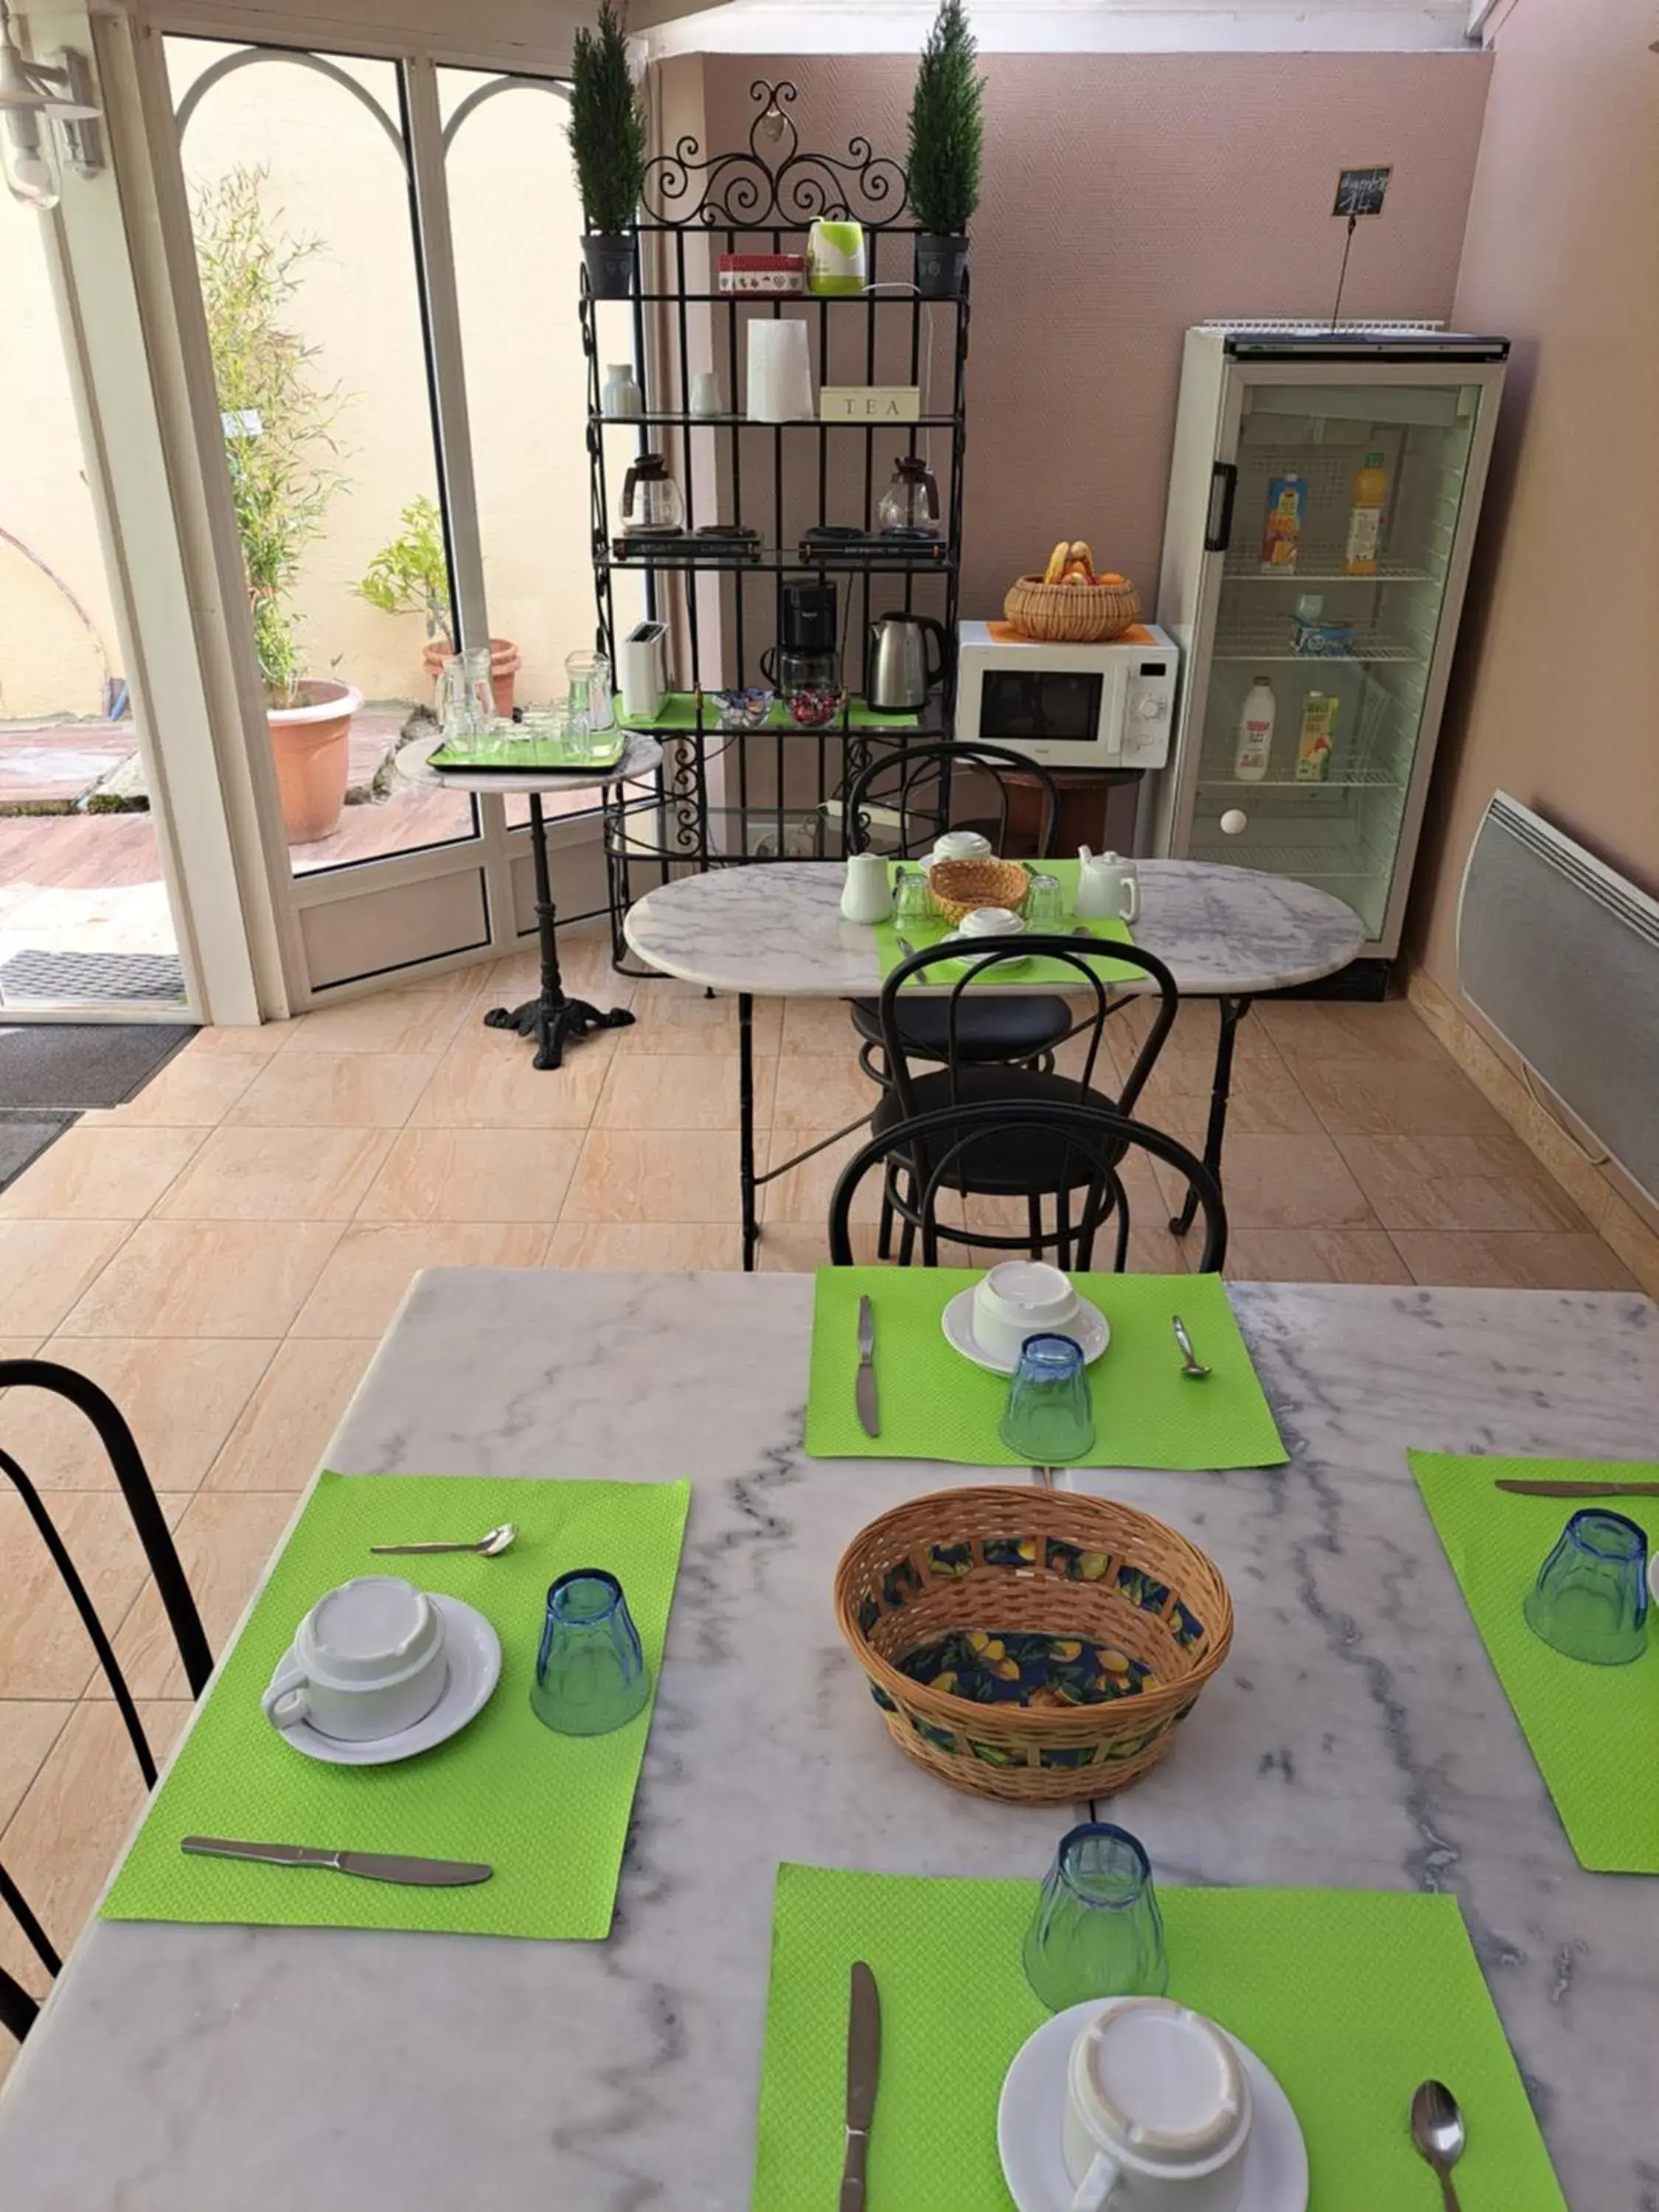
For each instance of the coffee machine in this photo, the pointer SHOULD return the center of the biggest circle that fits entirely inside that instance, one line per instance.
(805, 668)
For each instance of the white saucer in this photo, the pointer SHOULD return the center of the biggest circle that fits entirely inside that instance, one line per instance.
(1087, 1327)
(1031, 2115)
(1013, 963)
(474, 1651)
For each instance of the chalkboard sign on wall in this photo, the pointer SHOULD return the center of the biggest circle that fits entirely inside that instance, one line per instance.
(1361, 191)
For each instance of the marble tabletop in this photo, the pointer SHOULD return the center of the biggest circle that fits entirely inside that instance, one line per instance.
(777, 930)
(1357, 1736)
(643, 754)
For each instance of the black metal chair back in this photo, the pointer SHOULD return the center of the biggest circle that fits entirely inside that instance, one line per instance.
(936, 1153)
(914, 782)
(18, 2008)
(970, 960)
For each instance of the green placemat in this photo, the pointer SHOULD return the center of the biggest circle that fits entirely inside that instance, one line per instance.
(540, 755)
(1036, 973)
(549, 1812)
(1592, 1728)
(1351, 1997)
(934, 1404)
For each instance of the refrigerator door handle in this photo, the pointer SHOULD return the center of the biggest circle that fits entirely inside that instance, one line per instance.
(1223, 489)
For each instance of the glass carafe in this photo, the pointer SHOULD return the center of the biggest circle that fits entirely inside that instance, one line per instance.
(591, 704)
(651, 502)
(910, 502)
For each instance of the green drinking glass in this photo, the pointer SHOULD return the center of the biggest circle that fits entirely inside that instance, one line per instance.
(1049, 1417)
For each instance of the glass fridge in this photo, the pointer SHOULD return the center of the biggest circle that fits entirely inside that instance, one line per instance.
(1323, 497)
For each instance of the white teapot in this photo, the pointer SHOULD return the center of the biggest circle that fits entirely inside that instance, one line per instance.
(868, 894)
(1108, 888)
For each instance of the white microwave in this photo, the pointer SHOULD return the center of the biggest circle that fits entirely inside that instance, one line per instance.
(1068, 706)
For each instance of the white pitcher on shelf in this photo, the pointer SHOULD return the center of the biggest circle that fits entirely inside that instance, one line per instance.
(1108, 888)
(868, 896)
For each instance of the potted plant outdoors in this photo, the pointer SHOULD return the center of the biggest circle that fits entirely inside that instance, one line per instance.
(947, 126)
(410, 576)
(283, 457)
(608, 141)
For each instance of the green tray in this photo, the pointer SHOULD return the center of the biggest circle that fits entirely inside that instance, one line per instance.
(534, 757)
(549, 1812)
(934, 1404)
(1035, 973)
(1593, 1729)
(1350, 1997)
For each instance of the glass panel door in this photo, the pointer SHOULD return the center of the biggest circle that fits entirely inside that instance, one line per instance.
(1345, 528)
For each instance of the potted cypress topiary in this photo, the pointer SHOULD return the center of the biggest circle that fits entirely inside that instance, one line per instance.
(608, 141)
(946, 137)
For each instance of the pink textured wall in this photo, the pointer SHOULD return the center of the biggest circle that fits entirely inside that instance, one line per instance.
(1125, 197)
(1560, 257)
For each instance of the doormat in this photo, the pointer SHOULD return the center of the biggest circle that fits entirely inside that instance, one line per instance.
(65, 1065)
(24, 1137)
(91, 978)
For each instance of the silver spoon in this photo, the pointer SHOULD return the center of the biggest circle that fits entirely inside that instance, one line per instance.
(489, 1548)
(1438, 2132)
(1194, 1369)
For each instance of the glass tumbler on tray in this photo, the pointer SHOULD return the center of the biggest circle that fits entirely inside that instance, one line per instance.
(1096, 1931)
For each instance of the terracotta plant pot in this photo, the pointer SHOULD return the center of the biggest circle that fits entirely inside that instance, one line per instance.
(505, 662)
(311, 743)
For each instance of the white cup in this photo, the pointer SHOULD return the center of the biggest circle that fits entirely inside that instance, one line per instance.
(368, 1661)
(1158, 2111)
(962, 845)
(1020, 1299)
(707, 398)
(990, 921)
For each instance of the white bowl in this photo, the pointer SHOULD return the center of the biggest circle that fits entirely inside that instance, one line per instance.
(962, 845)
(1021, 1298)
(990, 921)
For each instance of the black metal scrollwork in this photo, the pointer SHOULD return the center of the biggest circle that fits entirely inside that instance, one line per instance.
(771, 182)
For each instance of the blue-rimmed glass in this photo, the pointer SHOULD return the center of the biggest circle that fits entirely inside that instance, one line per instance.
(591, 1674)
(1590, 1599)
(1049, 1417)
(1096, 1931)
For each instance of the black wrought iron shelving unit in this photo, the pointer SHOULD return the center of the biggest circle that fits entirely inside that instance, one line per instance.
(724, 798)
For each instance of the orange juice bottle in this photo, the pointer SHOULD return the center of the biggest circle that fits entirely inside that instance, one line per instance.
(1371, 496)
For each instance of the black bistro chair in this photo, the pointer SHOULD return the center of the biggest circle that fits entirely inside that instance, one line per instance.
(18, 2009)
(914, 786)
(1017, 1163)
(1080, 1149)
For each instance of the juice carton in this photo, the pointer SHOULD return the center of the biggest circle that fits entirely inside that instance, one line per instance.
(1313, 752)
(1287, 502)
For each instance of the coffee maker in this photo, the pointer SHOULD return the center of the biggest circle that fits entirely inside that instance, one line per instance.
(806, 669)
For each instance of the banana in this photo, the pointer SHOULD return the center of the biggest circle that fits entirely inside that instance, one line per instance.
(1078, 550)
(1057, 560)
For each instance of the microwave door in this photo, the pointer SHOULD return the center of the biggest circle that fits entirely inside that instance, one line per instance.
(1056, 714)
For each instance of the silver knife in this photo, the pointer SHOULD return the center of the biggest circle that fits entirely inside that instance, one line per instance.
(374, 1866)
(1580, 1489)
(864, 1389)
(863, 2071)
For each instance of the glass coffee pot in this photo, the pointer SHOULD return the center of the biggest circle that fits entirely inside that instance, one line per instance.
(651, 502)
(909, 506)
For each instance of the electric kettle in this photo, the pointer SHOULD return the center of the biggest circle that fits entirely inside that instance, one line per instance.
(900, 669)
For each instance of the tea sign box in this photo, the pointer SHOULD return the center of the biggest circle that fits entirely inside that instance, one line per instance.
(873, 404)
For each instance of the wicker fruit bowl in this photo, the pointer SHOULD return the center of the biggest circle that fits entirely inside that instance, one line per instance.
(1075, 613)
(1033, 1645)
(962, 887)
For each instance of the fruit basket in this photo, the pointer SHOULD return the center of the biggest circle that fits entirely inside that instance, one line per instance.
(1037, 1646)
(962, 887)
(1071, 604)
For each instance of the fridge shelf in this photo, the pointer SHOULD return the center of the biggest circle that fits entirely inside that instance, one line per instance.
(1271, 640)
(1373, 779)
(1243, 566)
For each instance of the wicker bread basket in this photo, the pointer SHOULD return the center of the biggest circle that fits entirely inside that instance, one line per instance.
(1070, 614)
(1034, 1645)
(962, 887)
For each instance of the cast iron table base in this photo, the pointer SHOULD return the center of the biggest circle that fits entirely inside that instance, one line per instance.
(550, 1018)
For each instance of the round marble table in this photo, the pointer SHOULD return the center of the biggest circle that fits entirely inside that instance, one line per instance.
(550, 1018)
(775, 930)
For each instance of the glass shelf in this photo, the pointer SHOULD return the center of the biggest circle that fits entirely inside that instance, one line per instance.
(1378, 779)
(653, 417)
(1270, 641)
(1242, 567)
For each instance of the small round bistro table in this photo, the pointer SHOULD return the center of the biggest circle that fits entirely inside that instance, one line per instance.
(550, 1018)
(775, 930)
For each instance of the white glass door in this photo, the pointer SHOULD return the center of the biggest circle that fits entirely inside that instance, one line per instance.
(1325, 663)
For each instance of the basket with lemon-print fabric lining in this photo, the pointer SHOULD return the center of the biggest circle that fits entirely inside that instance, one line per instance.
(1032, 1645)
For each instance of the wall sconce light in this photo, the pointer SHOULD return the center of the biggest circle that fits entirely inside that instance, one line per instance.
(38, 102)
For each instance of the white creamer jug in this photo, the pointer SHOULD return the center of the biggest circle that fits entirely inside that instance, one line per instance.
(1108, 888)
(868, 896)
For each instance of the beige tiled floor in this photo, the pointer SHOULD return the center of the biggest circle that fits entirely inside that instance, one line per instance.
(223, 1253)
